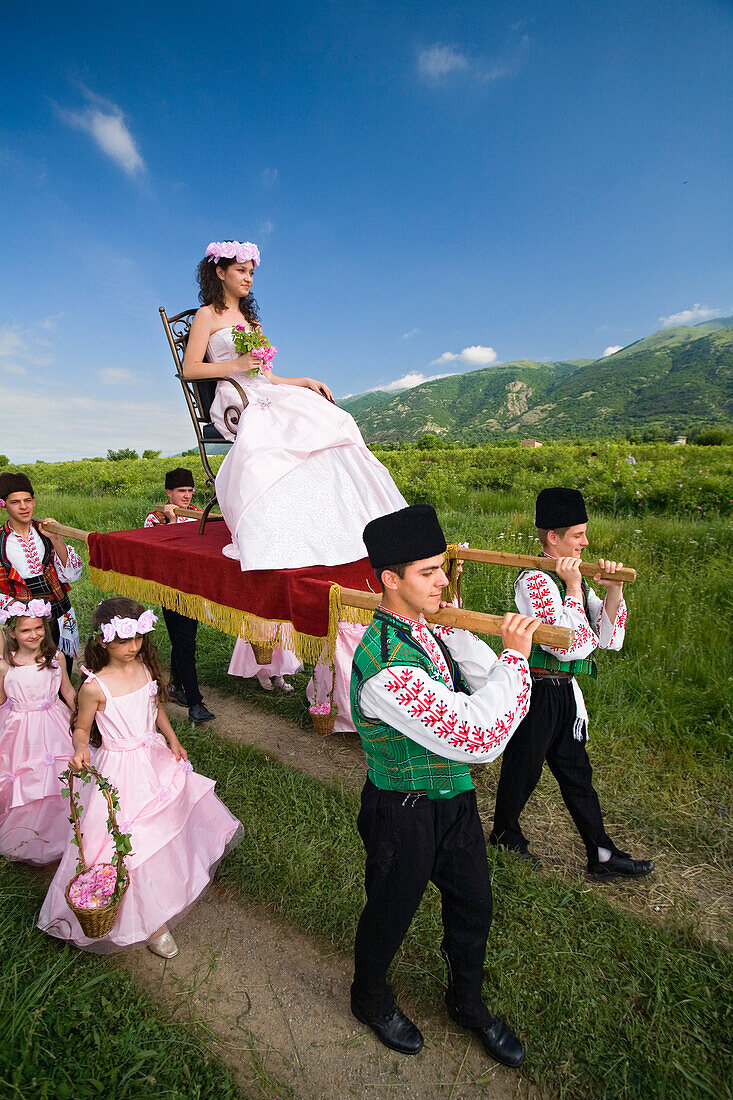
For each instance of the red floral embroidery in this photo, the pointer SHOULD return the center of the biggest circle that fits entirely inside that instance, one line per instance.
(620, 621)
(422, 703)
(424, 638)
(31, 554)
(540, 598)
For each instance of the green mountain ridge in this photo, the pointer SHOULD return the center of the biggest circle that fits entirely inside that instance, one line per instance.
(677, 379)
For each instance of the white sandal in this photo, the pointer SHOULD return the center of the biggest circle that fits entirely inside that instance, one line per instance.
(284, 685)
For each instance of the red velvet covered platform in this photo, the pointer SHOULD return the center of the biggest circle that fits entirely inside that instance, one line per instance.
(177, 568)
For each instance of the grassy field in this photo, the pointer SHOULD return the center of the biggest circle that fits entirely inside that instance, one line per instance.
(72, 1028)
(612, 1005)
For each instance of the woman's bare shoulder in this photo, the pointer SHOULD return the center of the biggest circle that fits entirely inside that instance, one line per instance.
(205, 316)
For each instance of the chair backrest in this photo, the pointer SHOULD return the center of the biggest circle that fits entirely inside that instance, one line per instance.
(199, 393)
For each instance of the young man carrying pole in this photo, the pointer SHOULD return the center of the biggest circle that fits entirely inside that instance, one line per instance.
(556, 728)
(182, 630)
(427, 702)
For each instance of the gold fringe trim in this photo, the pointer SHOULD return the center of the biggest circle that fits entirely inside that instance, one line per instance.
(451, 556)
(308, 648)
(338, 612)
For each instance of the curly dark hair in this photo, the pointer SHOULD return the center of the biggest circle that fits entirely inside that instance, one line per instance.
(46, 653)
(211, 292)
(96, 656)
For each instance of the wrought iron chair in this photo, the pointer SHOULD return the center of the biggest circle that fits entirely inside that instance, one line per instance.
(199, 394)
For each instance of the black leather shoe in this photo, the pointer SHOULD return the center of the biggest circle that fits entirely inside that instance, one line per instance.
(520, 853)
(178, 695)
(620, 865)
(200, 713)
(394, 1030)
(497, 1038)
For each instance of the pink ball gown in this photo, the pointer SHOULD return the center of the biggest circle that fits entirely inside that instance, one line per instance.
(300, 484)
(35, 746)
(179, 828)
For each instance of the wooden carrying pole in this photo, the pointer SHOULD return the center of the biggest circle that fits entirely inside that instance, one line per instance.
(193, 514)
(526, 561)
(559, 637)
(66, 532)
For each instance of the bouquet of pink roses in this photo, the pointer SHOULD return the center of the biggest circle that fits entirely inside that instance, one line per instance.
(257, 343)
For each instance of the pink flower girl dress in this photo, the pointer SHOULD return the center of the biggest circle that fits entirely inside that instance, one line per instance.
(35, 746)
(179, 829)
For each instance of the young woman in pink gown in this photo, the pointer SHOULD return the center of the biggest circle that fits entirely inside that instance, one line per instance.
(299, 484)
(35, 736)
(178, 827)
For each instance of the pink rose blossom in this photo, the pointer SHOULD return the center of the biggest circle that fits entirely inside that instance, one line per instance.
(146, 622)
(320, 708)
(38, 609)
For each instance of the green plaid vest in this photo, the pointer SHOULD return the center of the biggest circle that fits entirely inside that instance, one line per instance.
(394, 762)
(538, 658)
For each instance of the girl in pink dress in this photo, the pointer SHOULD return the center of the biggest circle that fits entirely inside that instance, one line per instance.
(179, 829)
(35, 736)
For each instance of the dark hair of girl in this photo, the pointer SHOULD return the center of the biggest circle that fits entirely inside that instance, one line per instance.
(96, 656)
(211, 291)
(46, 653)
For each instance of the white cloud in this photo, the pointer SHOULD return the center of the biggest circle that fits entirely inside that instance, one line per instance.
(266, 228)
(612, 350)
(408, 381)
(411, 333)
(269, 177)
(132, 423)
(105, 123)
(21, 348)
(690, 316)
(438, 61)
(115, 376)
(475, 356)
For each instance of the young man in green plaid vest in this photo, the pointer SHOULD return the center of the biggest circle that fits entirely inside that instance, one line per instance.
(556, 727)
(427, 702)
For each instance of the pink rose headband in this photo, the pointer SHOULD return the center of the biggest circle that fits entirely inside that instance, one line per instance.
(233, 250)
(34, 609)
(127, 628)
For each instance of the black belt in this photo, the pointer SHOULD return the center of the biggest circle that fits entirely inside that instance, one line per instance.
(39, 588)
(549, 676)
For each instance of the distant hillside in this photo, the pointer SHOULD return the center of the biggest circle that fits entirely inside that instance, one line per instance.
(677, 379)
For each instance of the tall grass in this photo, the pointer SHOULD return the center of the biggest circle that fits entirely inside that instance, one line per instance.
(73, 1027)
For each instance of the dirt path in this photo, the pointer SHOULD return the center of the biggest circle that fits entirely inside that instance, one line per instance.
(698, 893)
(277, 1009)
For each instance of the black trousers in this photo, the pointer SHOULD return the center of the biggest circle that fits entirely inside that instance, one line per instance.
(411, 840)
(547, 734)
(182, 633)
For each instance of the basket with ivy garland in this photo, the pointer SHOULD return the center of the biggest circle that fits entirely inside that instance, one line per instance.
(323, 715)
(95, 893)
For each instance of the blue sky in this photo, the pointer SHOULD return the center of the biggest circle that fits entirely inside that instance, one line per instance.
(433, 187)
